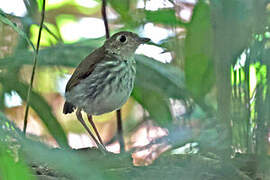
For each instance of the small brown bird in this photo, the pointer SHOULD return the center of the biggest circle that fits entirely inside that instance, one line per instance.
(103, 81)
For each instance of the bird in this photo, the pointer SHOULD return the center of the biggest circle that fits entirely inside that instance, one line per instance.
(104, 80)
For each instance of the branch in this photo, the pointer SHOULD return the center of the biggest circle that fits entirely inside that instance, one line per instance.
(34, 68)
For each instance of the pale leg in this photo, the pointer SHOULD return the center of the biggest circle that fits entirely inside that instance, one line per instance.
(80, 118)
(90, 119)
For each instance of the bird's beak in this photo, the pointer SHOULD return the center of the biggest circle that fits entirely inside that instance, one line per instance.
(144, 40)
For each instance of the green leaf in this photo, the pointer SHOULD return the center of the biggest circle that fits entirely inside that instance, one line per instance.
(199, 68)
(163, 16)
(5, 20)
(48, 37)
(120, 6)
(40, 106)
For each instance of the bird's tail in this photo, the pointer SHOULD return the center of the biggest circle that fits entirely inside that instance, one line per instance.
(68, 108)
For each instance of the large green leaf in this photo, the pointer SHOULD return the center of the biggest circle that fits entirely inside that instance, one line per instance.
(199, 66)
(163, 16)
(5, 20)
(41, 107)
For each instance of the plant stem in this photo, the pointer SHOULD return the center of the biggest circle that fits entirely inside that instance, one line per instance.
(120, 131)
(105, 20)
(34, 68)
(118, 112)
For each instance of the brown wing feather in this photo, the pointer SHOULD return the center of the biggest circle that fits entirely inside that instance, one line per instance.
(85, 68)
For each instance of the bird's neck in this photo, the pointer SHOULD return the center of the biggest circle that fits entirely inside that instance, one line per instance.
(125, 56)
(121, 57)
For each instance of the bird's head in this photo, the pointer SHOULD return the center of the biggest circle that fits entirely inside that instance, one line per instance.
(124, 44)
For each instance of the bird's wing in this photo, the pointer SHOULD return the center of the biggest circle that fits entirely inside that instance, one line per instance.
(86, 67)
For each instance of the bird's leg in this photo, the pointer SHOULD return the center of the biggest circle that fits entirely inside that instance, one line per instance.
(80, 118)
(90, 119)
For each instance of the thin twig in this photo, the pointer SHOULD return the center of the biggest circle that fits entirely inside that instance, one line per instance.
(118, 112)
(34, 68)
(105, 20)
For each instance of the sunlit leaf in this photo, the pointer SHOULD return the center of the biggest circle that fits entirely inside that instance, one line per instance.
(7, 126)
(40, 106)
(51, 4)
(5, 20)
(48, 37)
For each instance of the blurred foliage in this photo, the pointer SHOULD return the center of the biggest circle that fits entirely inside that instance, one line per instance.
(50, 32)
(120, 6)
(225, 74)
(40, 106)
(199, 52)
(4, 19)
(8, 167)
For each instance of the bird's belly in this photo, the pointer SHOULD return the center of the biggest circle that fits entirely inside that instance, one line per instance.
(102, 92)
(102, 99)
(112, 101)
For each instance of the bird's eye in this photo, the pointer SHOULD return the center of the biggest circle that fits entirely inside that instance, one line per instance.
(122, 39)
